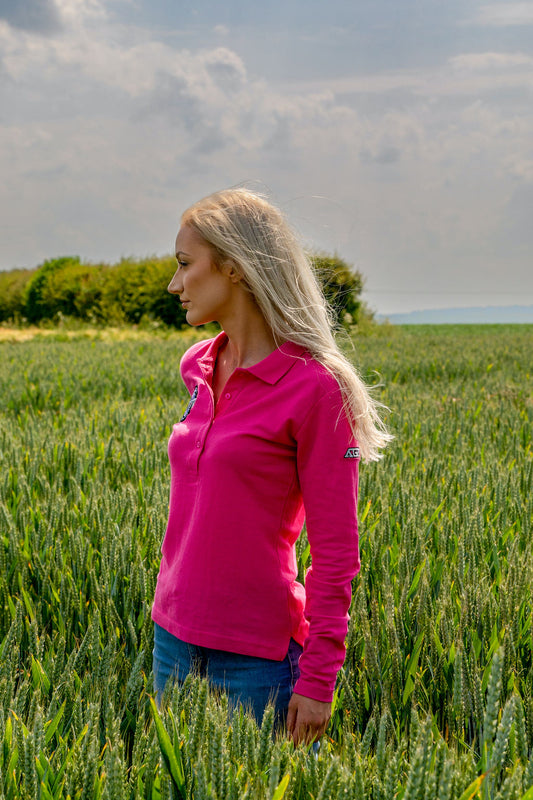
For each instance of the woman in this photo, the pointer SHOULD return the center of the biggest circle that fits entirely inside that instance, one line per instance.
(271, 436)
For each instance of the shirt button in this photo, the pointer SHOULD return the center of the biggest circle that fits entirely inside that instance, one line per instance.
(227, 395)
(198, 444)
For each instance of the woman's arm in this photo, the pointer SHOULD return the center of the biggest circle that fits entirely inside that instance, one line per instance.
(327, 458)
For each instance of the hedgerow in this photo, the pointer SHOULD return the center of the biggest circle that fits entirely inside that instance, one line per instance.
(136, 289)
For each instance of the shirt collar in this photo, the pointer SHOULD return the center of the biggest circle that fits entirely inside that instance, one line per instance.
(207, 361)
(270, 370)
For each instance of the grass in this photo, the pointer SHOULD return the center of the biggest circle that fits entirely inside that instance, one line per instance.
(436, 696)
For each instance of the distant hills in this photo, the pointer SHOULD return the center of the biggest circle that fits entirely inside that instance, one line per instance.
(486, 314)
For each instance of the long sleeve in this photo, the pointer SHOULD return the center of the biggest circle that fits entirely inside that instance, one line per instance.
(327, 459)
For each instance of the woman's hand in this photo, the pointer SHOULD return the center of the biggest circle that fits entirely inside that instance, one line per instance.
(307, 719)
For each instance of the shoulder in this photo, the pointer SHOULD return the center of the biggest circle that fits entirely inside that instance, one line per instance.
(196, 351)
(311, 394)
(323, 427)
(314, 378)
(189, 364)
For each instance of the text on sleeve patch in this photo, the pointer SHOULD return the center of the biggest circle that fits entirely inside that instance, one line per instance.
(352, 452)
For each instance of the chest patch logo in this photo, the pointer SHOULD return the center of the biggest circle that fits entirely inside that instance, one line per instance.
(352, 452)
(192, 401)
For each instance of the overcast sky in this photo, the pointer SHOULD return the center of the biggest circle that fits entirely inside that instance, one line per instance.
(397, 132)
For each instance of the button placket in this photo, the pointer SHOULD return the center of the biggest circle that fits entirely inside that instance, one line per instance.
(231, 391)
(204, 426)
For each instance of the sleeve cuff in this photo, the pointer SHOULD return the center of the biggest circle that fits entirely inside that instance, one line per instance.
(313, 690)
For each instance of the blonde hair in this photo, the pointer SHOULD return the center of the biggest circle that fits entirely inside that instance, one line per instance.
(244, 227)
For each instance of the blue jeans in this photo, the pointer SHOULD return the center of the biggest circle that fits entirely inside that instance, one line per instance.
(248, 680)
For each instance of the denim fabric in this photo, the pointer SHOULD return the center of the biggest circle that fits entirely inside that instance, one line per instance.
(248, 680)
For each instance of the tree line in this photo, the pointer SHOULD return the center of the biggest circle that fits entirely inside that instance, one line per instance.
(135, 290)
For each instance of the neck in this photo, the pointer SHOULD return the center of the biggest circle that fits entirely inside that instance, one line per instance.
(250, 339)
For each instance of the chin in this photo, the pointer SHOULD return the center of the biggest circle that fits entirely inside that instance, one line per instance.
(196, 321)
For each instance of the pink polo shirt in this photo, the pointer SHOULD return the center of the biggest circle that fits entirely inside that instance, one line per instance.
(276, 450)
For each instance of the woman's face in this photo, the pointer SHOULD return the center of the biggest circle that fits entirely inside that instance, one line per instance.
(206, 292)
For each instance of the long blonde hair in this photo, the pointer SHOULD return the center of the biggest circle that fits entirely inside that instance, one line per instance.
(242, 226)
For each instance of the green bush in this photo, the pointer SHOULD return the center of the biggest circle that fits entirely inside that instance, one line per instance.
(13, 293)
(52, 290)
(133, 290)
(342, 286)
(136, 289)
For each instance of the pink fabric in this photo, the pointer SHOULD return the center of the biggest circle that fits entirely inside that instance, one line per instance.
(244, 476)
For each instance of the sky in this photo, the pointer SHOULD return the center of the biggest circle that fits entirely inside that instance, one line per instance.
(396, 133)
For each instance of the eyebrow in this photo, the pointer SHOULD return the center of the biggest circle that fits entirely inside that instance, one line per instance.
(181, 253)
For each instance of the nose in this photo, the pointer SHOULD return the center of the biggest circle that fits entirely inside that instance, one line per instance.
(176, 285)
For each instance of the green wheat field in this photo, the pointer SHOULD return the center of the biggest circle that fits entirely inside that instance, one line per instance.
(435, 701)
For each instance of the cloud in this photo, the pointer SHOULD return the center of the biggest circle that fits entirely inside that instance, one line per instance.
(476, 62)
(49, 17)
(384, 154)
(108, 131)
(76, 13)
(462, 75)
(37, 16)
(226, 69)
(212, 106)
(505, 14)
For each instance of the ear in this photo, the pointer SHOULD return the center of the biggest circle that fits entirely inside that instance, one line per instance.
(231, 270)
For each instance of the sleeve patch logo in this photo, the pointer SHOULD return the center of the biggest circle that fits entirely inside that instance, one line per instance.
(192, 401)
(352, 452)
